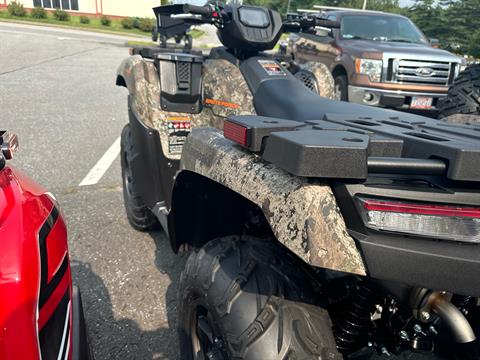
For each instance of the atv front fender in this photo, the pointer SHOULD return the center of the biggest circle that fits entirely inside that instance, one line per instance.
(325, 82)
(302, 214)
(225, 93)
(157, 150)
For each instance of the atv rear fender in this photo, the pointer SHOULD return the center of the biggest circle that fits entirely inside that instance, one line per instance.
(303, 215)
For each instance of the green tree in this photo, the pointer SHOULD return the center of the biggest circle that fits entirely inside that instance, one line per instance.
(453, 22)
(474, 46)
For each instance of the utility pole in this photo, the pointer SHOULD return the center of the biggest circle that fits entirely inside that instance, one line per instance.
(364, 7)
(288, 5)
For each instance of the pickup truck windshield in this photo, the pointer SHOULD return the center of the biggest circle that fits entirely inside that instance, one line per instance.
(380, 28)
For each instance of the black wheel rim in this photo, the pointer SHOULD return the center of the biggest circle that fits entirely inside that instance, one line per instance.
(206, 343)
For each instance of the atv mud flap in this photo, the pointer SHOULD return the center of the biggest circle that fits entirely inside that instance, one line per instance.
(150, 168)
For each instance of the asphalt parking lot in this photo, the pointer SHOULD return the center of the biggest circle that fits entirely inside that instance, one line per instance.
(58, 93)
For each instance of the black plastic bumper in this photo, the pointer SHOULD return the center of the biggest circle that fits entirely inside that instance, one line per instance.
(426, 262)
(80, 347)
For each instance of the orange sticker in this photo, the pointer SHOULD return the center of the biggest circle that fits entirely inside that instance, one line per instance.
(222, 103)
(178, 118)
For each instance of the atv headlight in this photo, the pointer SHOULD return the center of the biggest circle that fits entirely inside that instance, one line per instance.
(372, 68)
(450, 222)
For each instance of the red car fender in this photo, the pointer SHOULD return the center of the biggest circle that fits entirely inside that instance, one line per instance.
(35, 279)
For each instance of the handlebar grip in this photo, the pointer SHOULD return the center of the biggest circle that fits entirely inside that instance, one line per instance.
(198, 10)
(327, 23)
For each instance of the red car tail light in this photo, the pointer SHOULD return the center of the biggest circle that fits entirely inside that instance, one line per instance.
(458, 223)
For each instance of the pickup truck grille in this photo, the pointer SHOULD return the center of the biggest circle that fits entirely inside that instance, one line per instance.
(404, 71)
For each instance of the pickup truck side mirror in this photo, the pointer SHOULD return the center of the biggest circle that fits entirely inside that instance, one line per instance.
(435, 43)
(324, 32)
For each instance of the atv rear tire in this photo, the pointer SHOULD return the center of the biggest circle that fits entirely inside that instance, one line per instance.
(245, 298)
(463, 95)
(138, 214)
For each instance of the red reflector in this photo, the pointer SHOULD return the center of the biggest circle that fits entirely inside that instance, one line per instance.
(235, 132)
(215, 14)
(424, 209)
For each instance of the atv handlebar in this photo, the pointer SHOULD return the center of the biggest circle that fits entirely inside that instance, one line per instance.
(198, 10)
(327, 23)
(305, 23)
(216, 15)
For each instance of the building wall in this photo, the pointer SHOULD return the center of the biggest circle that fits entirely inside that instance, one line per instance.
(141, 8)
(117, 8)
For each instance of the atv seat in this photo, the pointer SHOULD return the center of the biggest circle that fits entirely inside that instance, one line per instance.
(294, 101)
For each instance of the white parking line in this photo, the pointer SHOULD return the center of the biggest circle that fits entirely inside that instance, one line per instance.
(102, 165)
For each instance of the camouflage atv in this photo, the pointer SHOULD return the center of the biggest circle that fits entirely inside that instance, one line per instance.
(319, 229)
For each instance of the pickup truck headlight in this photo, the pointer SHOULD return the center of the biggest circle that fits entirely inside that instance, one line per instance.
(372, 68)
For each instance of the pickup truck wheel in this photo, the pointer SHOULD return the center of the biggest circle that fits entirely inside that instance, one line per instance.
(341, 87)
(139, 216)
(463, 95)
(247, 298)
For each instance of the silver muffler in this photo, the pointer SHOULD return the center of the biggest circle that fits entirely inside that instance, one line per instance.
(428, 302)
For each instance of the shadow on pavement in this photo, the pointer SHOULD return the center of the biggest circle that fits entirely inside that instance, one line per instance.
(112, 338)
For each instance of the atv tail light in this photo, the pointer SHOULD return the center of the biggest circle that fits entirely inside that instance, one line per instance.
(235, 132)
(436, 221)
(8, 144)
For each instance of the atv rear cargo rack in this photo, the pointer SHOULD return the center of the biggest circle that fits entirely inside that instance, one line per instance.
(351, 147)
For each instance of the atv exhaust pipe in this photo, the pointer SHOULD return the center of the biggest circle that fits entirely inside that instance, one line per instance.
(453, 317)
(426, 302)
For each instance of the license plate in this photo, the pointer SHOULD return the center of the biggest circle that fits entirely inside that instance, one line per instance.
(421, 102)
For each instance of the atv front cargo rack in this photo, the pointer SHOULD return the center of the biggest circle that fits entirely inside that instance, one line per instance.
(351, 147)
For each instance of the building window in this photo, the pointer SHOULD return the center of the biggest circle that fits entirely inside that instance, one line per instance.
(57, 4)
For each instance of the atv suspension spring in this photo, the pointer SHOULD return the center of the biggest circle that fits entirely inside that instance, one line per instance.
(354, 327)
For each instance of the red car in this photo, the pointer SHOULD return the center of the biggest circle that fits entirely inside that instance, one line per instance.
(41, 315)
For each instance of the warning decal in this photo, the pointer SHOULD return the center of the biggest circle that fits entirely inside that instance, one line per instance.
(178, 129)
(271, 67)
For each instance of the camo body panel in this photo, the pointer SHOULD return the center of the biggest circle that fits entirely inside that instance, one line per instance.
(463, 119)
(326, 84)
(222, 82)
(303, 215)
